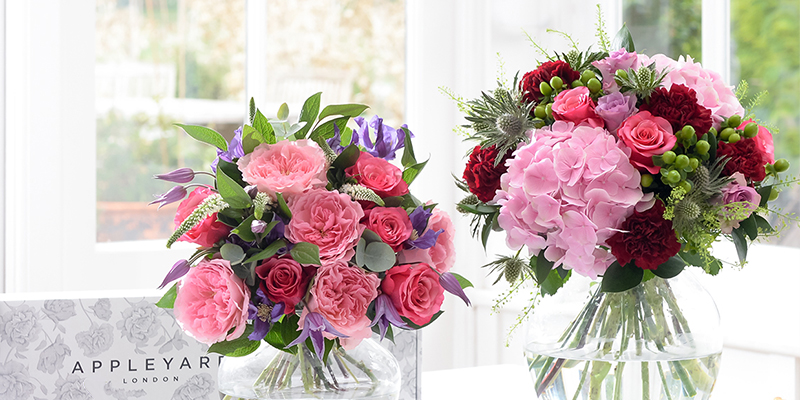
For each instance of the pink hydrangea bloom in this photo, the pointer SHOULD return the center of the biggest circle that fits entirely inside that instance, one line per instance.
(712, 92)
(568, 191)
(211, 301)
(329, 220)
(287, 167)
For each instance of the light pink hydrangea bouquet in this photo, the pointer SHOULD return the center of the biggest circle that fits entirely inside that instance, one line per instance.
(307, 231)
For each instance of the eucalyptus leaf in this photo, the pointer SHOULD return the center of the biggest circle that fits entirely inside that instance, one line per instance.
(168, 299)
(296, 128)
(268, 252)
(362, 244)
(379, 257)
(672, 267)
(231, 192)
(205, 135)
(370, 236)
(306, 253)
(308, 114)
(283, 112)
(345, 110)
(619, 279)
(232, 253)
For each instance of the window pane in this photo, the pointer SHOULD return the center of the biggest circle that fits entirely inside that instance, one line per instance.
(160, 62)
(670, 27)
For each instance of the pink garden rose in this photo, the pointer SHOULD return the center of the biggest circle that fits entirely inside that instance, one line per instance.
(379, 175)
(342, 293)
(616, 60)
(647, 136)
(442, 255)
(615, 108)
(415, 291)
(391, 224)
(329, 220)
(284, 280)
(763, 141)
(288, 167)
(576, 106)
(209, 230)
(211, 301)
(738, 202)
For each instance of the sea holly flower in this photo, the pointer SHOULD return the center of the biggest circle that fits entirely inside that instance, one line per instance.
(450, 283)
(177, 193)
(235, 150)
(387, 141)
(264, 313)
(180, 175)
(178, 270)
(313, 326)
(386, 314)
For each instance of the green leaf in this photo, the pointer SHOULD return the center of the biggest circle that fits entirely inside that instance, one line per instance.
(623, 39)
(487, 229)
(750, 226)
(464, 282)
(362, 244)
(411, 172)
(619, 279)
(268, 252)
(763, 224)
(764, 192)
(238, 347)
(231, 192)
(205, 135)
(250, 139)
(415, 326)
(325, 130)
(648, 275)
(232, 253)
(262, 125)
(284, 208)
(542, 268)
(348, 157)
(480, 209)
(168, 299)
(379, 257)
(283, 112)
(306, 253)
(713, 268)
(244, 230)
(741, 244)
(233, 172)
(345, 110)
(370, 236)
(308, 114)
(692, 259)
(554, 281)
(670, 268)
(408, 158)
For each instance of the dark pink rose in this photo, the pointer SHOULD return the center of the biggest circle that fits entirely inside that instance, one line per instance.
(207, 232)
(415, 291)
(391, 224)
(647, 136)
(284, 280)
(576, 106)
(379, 175)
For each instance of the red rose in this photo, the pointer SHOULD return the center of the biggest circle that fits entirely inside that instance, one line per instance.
(646, 238)
(391, 224)
(209, 231)
(678, 105)
(482, 176)
(529, 85)
(284, 280)
(415, 291)
(379, 175)
(744, 156)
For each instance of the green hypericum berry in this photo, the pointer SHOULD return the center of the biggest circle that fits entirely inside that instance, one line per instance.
(587, 75)
(702, 147)
(686, 185)
(773, 194)
(576, 83)
(712, 131)
(556, 82)
(647, 180)
(734, 121)
(694, 163)
(726, 133)
(540, 112)
(669, 157)
(548, 109)
(594, 85)
(733, 138)
(751, 130)
(781, 165)
(545, 88)
(622, 74)
(673, 177)
(688, 131)
(682, 161)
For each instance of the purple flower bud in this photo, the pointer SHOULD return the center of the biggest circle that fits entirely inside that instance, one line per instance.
(386, 314)
(180, 175)
(251, 190)
(450, 283)
(178, 270)
(313, 326)
(175, 194)
(258, 226)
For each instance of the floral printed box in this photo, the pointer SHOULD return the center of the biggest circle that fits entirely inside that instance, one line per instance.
(72, 347)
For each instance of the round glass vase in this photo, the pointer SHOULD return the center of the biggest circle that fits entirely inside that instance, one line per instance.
(368, 371)
(659, 340)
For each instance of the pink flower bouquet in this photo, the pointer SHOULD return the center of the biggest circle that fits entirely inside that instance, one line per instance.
(307, 231)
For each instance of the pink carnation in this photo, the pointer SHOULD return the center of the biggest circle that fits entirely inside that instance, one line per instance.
(329, 220)
(342, 293)
(287, 167)
(211, 301)
(442, 255)
(568, 191)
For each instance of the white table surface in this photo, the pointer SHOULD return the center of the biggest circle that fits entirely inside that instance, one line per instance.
(505, 381)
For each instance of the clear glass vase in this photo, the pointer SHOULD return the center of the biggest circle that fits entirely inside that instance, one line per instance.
(366, 372)
(659, 340)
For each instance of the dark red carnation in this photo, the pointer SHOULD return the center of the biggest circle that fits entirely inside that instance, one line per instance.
(647, 239)
(678, 105)
(529, 85)
(482, 176)
(744, 156)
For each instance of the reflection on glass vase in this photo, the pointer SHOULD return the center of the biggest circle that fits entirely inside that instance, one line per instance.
(659, 340)
(367, 371)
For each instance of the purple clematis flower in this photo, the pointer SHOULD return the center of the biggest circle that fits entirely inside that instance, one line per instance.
(451, 284)
(386, 314)
(313, 327)
(264, 314)
(336, 141)
(175, 194)
(387, 141)
(178, 270)
(180, 175)
(419, 221)
(235, 150)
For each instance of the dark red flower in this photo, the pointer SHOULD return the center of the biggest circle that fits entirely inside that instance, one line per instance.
(482, 176)
(678, 105)
(646, 238)
(529, 85)
(744, 156)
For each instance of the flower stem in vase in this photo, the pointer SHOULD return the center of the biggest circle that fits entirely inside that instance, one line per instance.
(600, 370)
(664, 381)
(360, 365)
(645, 381)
